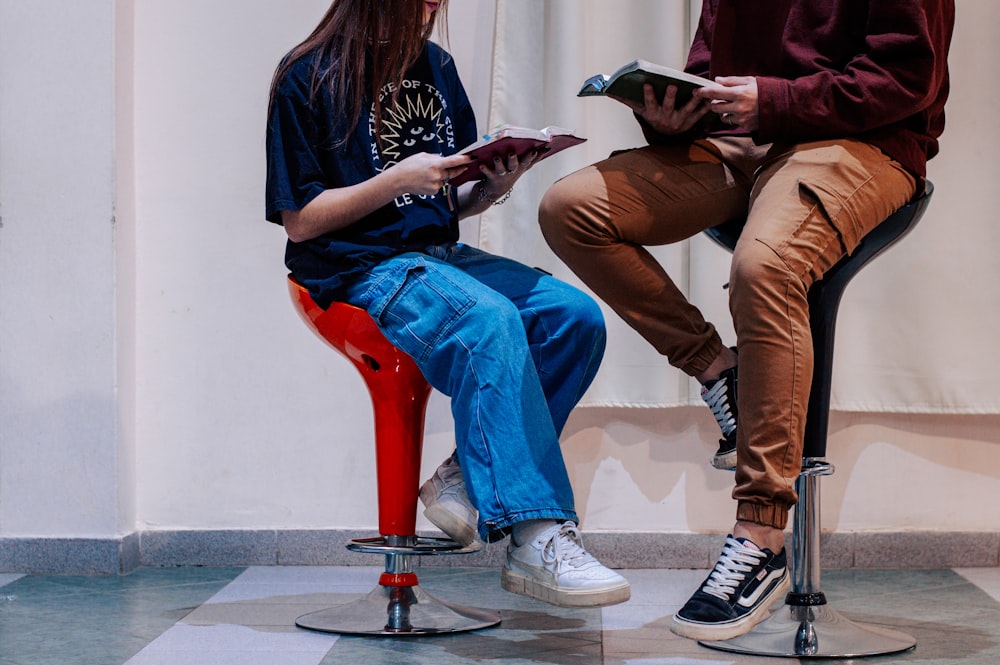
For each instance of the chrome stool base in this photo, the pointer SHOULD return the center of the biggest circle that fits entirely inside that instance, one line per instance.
(805, 626)
(373, 614)
(815, 632)
(398, 607)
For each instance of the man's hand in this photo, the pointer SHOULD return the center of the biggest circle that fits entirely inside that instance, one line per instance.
(663, 117)
(734, 99)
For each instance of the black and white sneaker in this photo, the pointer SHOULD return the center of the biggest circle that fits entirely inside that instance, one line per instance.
(737, 594)
(720, 395)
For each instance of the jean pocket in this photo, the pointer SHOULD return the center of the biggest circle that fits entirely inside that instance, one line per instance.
(419, 307)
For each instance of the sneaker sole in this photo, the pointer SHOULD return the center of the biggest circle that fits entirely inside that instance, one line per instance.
(726, 461)
(713, 632)
(517, 583)
(454, 527)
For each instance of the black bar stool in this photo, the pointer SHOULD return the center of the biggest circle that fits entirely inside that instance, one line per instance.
(806, 626)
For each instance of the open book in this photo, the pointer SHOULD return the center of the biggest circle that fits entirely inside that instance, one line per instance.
(629, 80)
(521, 141)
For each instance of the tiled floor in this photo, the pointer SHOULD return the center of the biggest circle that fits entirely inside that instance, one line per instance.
(213, 616)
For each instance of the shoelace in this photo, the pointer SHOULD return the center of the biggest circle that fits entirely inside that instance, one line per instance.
(717, 398)
(565, 545)
(736, 561)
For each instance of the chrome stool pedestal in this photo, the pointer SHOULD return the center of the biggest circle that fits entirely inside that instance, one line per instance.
(399, 607)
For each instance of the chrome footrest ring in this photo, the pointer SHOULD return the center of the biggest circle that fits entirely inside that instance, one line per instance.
(418, 547)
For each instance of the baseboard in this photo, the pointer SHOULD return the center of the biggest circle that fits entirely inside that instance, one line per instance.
(70, 556)
(909, 549)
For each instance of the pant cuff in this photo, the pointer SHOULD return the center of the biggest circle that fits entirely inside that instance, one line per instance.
(705, 357)
(492, 530)
(765, 515)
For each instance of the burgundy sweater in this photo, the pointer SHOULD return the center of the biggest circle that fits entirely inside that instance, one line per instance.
(874, 70)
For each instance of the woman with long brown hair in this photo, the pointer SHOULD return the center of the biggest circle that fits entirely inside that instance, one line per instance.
(365, 120)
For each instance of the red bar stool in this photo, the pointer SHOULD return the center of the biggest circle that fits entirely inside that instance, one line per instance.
(806, 626)
(399, 393)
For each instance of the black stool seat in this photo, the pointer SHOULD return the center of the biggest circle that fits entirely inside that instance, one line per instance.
(806, 626)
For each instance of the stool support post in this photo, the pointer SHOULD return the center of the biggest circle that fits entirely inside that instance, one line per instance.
(399, 424)
(806, 568)
(806, 589)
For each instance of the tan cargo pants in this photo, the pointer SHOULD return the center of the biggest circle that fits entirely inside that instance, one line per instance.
(806, 205)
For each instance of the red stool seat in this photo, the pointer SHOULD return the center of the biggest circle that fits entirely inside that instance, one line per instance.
(399, 395)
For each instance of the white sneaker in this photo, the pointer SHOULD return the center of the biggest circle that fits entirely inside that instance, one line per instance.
(447, 505)
(555, 568)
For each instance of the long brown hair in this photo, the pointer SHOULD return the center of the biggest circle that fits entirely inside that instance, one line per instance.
(392, 31)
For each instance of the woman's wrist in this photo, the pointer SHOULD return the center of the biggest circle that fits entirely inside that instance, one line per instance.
(484, 196)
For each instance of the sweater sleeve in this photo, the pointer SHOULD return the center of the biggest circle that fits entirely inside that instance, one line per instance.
(899, 74)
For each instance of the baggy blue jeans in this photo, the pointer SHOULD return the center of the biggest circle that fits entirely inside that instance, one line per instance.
(514, 348)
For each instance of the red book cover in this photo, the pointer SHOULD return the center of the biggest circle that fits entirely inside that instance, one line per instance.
(520, 141)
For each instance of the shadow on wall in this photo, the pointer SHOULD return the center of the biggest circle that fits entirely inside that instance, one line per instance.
(660, 450)
(881, 462)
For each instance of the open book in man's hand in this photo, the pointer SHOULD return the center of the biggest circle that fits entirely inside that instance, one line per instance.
(629, 80)
(520, 141)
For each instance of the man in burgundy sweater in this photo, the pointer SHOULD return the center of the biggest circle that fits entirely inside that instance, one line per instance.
(820, 124)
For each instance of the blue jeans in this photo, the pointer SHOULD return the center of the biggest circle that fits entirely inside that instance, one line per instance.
(514, 348)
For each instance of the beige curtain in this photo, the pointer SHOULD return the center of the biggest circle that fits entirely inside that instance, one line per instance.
(916, 328)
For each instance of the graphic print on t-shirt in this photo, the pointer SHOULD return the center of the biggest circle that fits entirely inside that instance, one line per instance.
(416, 123)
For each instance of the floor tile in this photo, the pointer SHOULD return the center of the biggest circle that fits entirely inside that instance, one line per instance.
(987, 579)
(99, 619)
(207, 616)
(7, 578)
(212, 645)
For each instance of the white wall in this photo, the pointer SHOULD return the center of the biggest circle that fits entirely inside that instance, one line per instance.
(240, 407)
(233, 415)
(60, 453)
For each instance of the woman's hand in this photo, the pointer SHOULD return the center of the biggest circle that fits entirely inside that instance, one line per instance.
(426, 173)
(734, 99)
(334, 209)
(493, 188)
(501, 178)
(664, 117)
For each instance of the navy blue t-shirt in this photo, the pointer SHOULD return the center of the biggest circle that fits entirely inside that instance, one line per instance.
(432, 114)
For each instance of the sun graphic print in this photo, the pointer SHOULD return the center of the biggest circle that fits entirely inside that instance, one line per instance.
(415, 123)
